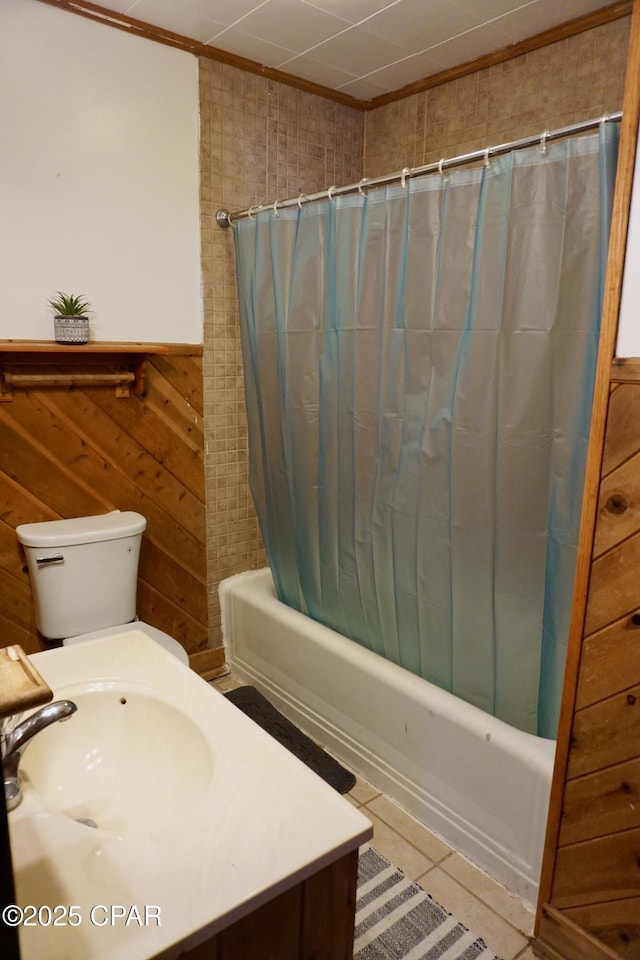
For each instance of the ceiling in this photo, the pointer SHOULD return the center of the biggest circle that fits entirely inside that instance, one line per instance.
(363, 48)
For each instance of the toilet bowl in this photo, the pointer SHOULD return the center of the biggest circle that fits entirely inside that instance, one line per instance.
(84, 575)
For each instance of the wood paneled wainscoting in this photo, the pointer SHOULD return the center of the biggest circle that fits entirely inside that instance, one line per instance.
(76, 448)
(594, 909)
(589, 903)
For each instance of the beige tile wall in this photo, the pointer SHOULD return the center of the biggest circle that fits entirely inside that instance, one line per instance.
(574, 79)
(262, 140)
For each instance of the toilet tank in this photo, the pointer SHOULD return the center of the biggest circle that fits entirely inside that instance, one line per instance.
(83, 571)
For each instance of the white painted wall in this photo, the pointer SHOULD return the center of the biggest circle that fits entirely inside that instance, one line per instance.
(628, 344)
(98, 178)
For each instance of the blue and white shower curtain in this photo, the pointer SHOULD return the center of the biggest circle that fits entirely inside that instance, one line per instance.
(419, 365)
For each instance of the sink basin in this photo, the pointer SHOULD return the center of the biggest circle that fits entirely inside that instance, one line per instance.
(162, 801)
(107, 765)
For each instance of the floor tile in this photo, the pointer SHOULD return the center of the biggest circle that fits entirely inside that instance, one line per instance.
(363, 791)
(396, 849)
(224, 684)
(406, 825)
(490, 892)
(499, 935)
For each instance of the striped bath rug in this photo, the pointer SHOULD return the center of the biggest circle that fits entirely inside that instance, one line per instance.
(397, 920)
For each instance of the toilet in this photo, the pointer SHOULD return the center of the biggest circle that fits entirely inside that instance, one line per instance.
(84, 577)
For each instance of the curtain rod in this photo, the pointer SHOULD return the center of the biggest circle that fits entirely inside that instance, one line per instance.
(224, 219)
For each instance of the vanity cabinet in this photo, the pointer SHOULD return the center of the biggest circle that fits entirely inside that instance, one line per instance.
(314, 920)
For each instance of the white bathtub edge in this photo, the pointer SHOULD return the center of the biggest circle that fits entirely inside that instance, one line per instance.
(292, 694)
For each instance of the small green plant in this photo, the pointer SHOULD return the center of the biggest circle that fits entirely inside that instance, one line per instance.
(68, 305)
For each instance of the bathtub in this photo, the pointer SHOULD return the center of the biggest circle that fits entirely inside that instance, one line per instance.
(478, 783)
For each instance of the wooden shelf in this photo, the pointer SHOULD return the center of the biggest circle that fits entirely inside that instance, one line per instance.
(17, 355)
(98, 346)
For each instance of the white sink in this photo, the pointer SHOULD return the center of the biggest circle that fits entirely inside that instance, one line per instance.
(196, 815)
(107, 765)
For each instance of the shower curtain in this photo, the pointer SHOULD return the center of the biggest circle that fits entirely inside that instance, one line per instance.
(419, 363)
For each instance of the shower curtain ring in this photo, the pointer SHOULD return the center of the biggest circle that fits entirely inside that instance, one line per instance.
(250, 213)
(302, 199)
(331, 191)
(440, 165)
(275, 208)
(486, 157)
(406, 172)
(543, 140)
(362, 183)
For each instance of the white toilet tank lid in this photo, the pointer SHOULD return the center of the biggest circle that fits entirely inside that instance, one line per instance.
(65, 533)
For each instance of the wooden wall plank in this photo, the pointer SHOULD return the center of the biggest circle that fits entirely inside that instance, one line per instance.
(68, 452)
(17, 505)
(614, 589)
(12, 633)
(605, 733)
(618, 506)
(616, 924)
(622, 433)
(601, 803)
(159, 611)
(603, 398)
(176, 411)
(185, 373)
(137, 419)
(607, 868)
(146, 476)
(25, 460)
(165, 574)
(76, 455)
(16, 604)
(562, 939)
(610, 661)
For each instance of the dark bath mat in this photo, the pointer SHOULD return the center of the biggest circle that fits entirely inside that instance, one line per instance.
(251, 702)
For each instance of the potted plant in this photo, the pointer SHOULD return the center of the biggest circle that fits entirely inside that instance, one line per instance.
(71, 323)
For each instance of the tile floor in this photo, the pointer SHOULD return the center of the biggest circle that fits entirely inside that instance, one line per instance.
(503, 921)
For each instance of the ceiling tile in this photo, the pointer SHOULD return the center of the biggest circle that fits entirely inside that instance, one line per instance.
(220, 11)
(541, 15)
(488, 9)
(189, 22)
(468, 46)
(352, 10)
(402, 72)
(252, 48)
(362, 51)
(309, 69)
(363, 89)
(419, 24)
(123, 6)
(297, 26)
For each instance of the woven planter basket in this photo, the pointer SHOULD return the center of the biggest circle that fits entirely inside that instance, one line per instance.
(71, 329)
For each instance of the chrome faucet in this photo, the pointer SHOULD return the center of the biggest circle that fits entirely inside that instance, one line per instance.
(15, 741)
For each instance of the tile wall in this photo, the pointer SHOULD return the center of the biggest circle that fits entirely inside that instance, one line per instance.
(262, 140)
(574, 79)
